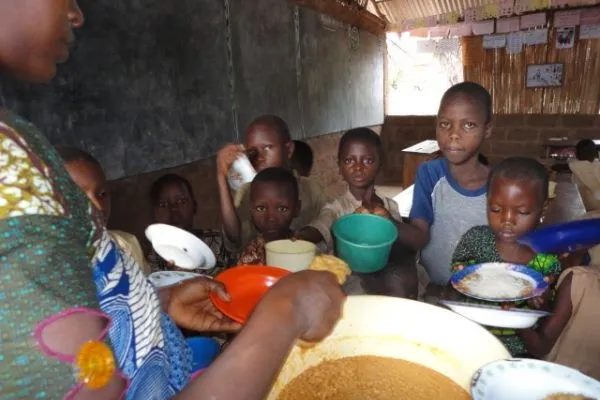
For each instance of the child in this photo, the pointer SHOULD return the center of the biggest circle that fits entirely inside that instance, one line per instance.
(360, 159)
(517, 197)
(302, 159)
(87, 173)
(269, 143)
(449, 193)
(571, 334)
(173, 203)
(274, 204)
(586, 173)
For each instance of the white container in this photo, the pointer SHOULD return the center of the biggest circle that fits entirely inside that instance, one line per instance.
(405, 329)
(487, 315)
(292, 255)
(241, 173)
(182, 248)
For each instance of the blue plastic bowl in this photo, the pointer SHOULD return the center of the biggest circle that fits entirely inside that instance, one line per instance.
(364, 241)
(204, 352)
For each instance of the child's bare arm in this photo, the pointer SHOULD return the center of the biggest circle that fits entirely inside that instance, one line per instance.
(229, 217)
(539, 342)
(414, 234)
(310, 234)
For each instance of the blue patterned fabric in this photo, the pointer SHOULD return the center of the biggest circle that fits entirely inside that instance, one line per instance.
(149, 348)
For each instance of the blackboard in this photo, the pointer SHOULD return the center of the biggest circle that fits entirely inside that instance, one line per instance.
(264, 60)
(146, 86)
(342, 76)
(153, 84)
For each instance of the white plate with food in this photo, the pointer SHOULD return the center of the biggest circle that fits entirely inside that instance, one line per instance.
(528, 379)
(183, 249)
(163, 279)
(494, 316)
(499, 282)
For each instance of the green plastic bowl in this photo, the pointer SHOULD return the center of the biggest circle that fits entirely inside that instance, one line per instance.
(364, 241)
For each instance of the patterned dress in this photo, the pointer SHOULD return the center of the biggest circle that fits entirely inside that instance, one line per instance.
(478, 246)
(49, 233)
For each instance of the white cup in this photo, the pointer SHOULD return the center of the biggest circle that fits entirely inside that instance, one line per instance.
(240, 173)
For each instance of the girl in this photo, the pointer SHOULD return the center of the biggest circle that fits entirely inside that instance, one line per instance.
(517, 196)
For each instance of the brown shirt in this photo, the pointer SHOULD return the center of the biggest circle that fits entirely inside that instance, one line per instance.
(578, 346)
(312, 198)
(586, 175)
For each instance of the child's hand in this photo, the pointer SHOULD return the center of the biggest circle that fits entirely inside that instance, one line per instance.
(457, 268)
(572, 259)
(226, 156)
(372, 204)
(542, 301)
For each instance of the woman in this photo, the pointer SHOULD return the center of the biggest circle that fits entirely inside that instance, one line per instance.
(49, 230)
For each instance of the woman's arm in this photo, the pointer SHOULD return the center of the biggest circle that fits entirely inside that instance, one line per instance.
(304, 305)
(539, 342)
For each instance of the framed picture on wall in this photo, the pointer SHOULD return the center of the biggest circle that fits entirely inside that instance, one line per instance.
(544, 75)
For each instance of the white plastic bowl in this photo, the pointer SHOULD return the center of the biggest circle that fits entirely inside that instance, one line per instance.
(495, 316)
(292, 255)
(405, 329)
(181, 247)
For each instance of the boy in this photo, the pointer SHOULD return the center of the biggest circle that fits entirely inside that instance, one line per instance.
(274, 204)
(302, 159)
(360, 160)
(269, 144)
(87, 173)
(450, 193)
(173, 203)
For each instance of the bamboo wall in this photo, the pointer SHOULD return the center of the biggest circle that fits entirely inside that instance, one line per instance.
(505, 75)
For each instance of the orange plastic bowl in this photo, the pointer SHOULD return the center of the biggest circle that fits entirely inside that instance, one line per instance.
(246, 286)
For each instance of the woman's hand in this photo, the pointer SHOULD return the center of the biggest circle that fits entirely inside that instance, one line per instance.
(191, 308)
(315, 301)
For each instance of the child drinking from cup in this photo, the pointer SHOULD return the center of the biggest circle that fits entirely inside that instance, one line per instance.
(269, 144)
(517, 197)
(449, 193)
(274, 203)
(360, 160)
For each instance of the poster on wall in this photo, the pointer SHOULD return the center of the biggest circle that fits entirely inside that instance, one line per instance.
(589, 31)
(565, 37)
(494, 41)
(536, 36)
(544, 75)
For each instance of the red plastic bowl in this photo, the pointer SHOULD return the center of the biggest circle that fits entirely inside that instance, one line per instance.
(246, 286)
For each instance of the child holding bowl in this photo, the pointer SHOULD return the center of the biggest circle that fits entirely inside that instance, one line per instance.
(360, 157)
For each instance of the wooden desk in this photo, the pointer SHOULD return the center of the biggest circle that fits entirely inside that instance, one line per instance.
(416, 155)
